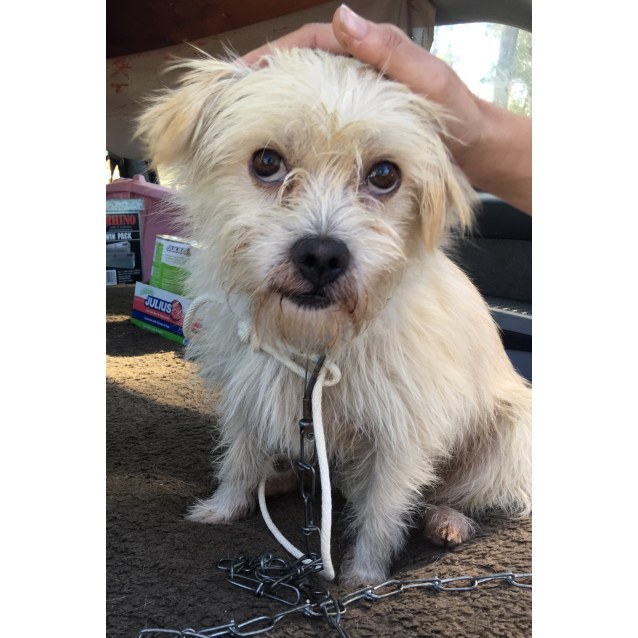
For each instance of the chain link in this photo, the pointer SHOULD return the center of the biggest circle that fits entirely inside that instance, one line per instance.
(291, 582)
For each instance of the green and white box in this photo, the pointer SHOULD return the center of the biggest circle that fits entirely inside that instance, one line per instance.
(170, 263)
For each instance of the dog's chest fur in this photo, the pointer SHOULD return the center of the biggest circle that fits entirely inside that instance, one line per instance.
(396, 389)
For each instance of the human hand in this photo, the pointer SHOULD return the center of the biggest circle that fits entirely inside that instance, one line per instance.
(390, 50)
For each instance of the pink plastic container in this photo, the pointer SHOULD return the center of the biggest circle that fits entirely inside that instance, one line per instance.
(159, 216)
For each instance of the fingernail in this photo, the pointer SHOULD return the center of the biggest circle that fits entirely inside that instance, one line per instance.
(354, 25)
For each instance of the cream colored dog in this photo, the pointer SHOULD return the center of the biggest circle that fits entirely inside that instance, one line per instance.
(322, 197)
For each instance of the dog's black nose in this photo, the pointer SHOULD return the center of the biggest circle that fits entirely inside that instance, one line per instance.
(320, 260)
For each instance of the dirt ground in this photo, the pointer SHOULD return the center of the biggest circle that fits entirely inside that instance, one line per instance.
(162, 570)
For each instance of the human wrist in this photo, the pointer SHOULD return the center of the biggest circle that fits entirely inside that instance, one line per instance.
(497, 157)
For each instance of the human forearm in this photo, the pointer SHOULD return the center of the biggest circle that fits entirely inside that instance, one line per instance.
(499, 160)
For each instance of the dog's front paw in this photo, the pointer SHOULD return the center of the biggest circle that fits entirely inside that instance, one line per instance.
(361, 573)
(446, 527)
(203, 512)
(219, 508)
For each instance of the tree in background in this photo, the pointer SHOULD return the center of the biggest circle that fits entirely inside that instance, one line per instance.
(512, 73)
(507, 79)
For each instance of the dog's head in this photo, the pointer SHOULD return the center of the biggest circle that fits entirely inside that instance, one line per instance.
(309, 184)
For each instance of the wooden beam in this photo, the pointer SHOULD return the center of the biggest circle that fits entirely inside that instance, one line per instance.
(134, 26)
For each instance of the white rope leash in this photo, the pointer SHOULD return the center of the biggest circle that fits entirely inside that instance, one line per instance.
(320, 442)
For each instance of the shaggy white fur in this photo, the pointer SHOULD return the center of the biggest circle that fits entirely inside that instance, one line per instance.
(320, 149)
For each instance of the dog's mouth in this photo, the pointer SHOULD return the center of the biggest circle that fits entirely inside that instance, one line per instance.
(310, 300)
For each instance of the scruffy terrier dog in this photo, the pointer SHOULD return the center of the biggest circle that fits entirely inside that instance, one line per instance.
(322, 200)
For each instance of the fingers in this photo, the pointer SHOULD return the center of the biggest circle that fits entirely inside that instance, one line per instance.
(390, 50)
(383, 46)
(314, 36)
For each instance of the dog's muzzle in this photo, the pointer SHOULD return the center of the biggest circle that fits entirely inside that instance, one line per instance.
(320, 261)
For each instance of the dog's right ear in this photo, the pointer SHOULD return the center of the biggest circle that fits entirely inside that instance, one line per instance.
(172, 123)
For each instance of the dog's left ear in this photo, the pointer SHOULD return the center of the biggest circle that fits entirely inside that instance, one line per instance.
(447, 201)
(171, 126)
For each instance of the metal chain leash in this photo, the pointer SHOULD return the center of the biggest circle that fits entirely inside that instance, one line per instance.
(308, 463)
(330, 609)
(294, 583)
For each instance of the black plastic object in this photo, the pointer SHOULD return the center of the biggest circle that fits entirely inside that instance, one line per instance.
(497, 256)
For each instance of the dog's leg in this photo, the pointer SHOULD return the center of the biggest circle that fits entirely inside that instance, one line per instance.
(494, 471)
(383, 498)
(446, 527)
(241, 469)
(282, 482)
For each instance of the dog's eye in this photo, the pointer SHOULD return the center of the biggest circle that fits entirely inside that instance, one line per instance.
(383, 178)
(268, 165)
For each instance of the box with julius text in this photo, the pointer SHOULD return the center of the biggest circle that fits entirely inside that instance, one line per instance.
(159, 311)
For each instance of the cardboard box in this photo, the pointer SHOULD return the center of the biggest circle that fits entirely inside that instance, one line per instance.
(159, 311)
(123, 241)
